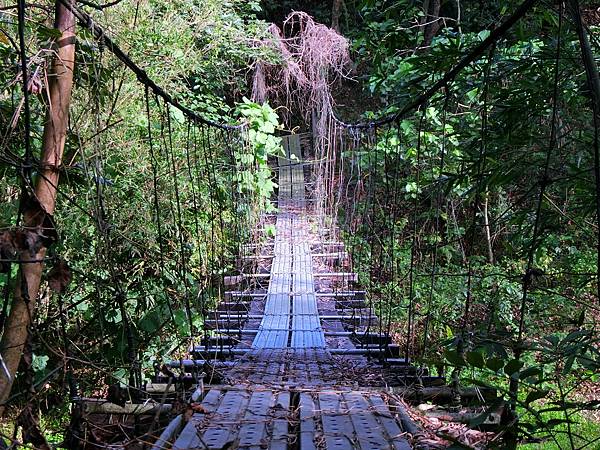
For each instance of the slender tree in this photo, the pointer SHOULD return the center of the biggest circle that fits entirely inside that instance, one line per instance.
(40, 203)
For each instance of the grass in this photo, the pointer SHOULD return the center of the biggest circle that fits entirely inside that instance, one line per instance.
(586, 434)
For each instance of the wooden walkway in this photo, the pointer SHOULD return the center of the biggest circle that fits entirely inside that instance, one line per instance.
(291, 317)
(290, 385)
(263, 418)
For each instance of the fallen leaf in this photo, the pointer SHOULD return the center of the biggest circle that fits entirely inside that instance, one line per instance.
(198, 408)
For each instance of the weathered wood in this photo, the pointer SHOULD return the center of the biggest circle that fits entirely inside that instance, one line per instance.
(221, 432)
(288, 349)
(389, 423)
(234, 306)
(350, 295)
(369, 433)
(281, 418)
(337, 427)
(253, 431)
(240, 294)
(335, 255)
(307, 412)
(190, 436)
(237, 279)
(168, 433)
(102, 406)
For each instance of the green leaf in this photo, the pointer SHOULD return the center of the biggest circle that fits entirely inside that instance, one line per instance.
(536, 395)
(121, 375)
(270, 230)
(151, 322)
(454, 358)
(569, 364)
(495, 364)
(449, 333)
(39, 362)
(530, 372)
(267, 127)
(181, 322)
(475, 359)
(513, 366)
(177, 114)
(48, 33)
(483, 34)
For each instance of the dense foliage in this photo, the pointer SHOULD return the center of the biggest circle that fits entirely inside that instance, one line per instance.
(489, 246)
(473, 225)
(152, 207)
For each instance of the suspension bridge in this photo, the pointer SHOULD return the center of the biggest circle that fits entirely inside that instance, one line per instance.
(299, 344)
(294, 357)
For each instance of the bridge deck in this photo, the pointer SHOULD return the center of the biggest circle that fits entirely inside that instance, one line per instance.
(238, 417)
(286, 390)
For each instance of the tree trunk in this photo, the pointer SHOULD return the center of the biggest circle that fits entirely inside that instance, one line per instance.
(35, 212)
(593, 79)
(432, 23)
(336, 11)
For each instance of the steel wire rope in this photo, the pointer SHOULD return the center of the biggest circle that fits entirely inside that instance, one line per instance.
(438, 236)
(352, 222)
(86, 21)
(387, 258)
(72, 202)
(178, 216)
(192, 161)
(395, 149)
(235, 210)
(468, 240)
(213, 187)
(224, 233)
(394, 202)
(465, 61)
(155, 187)
(205, 138)
(98, 217)
(201, 138)
(103, 227)
(411, 287)
(543, 183)
(370, 208)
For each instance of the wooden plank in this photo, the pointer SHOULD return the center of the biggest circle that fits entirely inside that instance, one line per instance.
(189, 436)
(102, 406)
(369, 433)
(253, 432)
(281, 414)
(337, 427)
(306, 326)
(222, 430)
(308, 429)
(274, 328)
(389, 423)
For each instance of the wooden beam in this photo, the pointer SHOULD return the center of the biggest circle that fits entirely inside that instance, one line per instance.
(102, 406)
